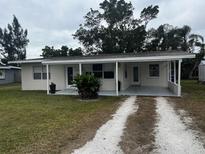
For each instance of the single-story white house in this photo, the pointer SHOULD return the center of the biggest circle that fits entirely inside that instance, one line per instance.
(144, 73)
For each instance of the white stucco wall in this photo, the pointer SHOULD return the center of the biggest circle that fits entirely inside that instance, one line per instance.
(57, 76)
(146, 80)
(106, 84)
(173, 87)
(28, 83)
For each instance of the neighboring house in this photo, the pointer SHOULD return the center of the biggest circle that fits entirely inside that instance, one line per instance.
(145, 73)
(202, 71)
(9, 74)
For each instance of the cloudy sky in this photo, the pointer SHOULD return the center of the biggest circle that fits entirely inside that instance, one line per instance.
(52, 22)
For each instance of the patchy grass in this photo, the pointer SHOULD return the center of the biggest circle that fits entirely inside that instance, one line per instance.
(32, 122)
(193, 101)
(139, 136)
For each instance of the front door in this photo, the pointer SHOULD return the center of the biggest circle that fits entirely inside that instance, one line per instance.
(135, 75)
(69, 76)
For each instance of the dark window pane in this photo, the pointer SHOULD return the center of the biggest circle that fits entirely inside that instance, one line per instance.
(37, 76)
(125, 74)
(45, 75)
(70, 75)
(98, 74)
(97, 67)
(109, 75)
(154, 70)
(135, 74)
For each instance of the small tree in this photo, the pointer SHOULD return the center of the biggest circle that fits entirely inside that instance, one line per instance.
(88, 86)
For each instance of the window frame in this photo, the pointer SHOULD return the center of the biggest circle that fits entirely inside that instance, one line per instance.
(97, 71)
(42, 72)
(109, 77)
(150, 73)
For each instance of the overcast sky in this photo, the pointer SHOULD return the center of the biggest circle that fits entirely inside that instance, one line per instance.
(52, 22)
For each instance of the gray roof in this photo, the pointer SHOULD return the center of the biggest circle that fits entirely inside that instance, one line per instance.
(108, 56)
(4, 66)
(127, 55)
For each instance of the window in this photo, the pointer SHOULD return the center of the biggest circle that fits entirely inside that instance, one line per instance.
(39, 72)
(97, 67)
(97, 70)
(108, 74)
(154, 70)
(125, 72)
(2, 74)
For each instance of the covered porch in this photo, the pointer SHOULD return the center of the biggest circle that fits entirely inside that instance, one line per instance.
(149, 75)
(131, 91)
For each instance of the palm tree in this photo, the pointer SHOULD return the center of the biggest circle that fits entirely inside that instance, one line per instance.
(196, 40)
(185, 33)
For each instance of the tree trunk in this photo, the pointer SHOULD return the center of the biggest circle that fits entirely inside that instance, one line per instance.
(193, 69)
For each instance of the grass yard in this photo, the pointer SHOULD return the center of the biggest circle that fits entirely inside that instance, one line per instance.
(32, 122)
(193, 101)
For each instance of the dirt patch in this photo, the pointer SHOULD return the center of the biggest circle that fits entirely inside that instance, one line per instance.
(138, 136)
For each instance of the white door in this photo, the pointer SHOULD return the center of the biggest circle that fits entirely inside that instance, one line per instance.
(69, 77)
(135, 75)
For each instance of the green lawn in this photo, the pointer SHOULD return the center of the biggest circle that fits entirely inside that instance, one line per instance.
(32, 122)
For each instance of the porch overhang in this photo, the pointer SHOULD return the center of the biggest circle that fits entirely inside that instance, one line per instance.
(120, 59)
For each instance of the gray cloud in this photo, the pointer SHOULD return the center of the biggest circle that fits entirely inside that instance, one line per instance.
(52, 22)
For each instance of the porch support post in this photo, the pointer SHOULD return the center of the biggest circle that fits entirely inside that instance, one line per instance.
(170, 71)
(116, 78)
(175, 72)
(179, 77)
(47, 78)
(80, 68)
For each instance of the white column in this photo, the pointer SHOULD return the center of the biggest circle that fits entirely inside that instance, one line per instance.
(179, 77)
(116, 78)
(175, 72)
(170, 71)
(47, 78)
(80, 68)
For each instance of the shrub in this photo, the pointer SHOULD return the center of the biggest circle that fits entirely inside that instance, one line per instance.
(88, 86)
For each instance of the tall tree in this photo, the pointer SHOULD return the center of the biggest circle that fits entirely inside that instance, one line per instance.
(149, 13)
(196, 40)
(13, 41)
(113, 28)
(51, 52)
(64, 51)
(76, 52)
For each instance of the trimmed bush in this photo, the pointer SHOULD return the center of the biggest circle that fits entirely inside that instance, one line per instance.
(88, 86)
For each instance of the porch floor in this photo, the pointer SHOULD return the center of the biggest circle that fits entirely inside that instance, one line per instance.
(132, 90)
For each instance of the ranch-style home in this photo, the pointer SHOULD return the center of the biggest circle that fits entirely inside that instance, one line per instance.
(145, 73)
